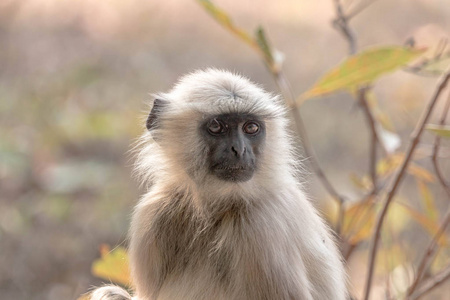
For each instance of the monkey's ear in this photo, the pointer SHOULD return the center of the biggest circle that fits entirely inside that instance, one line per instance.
(155, 114)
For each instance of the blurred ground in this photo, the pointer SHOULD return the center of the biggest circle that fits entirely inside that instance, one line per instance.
(74, 78)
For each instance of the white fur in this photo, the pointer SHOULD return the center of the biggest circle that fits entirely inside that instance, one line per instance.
(196, 237)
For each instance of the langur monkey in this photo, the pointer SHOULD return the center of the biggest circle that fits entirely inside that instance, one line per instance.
(225, 217)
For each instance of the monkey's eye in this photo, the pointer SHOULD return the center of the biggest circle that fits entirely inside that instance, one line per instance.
(251, 127)
(216, 127)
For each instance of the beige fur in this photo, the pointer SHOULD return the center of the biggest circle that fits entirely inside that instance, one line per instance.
(195, 237)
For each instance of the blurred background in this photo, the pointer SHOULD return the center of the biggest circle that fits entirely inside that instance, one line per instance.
(75, 79)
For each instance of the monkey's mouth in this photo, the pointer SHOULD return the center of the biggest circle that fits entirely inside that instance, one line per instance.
(234, 173)
(231, 168)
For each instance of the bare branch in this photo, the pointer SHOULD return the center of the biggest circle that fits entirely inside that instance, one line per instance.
(437, 144)
(432, 283)
(429, 254)
(341, 23)
(375, 139)
(398, 178)
(264, 51)
(432, 247)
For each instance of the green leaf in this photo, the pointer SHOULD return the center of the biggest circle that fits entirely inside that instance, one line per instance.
(362, 68)
(440, 130)
(223, 19)
(272, 58)
(113, 265)
(264, 45)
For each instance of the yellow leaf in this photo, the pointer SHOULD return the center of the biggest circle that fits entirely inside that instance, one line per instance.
(365, 231)
(113, 265)
(359, 220)
(440, 130)
(427, 200)
(391, 256)
(429, 225)
(396, 219)
(387, 166)
(364, 183)
(330, 210)
(362, 68)
(420, 173)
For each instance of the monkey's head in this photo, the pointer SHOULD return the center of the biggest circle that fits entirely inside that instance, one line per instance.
(216, 126)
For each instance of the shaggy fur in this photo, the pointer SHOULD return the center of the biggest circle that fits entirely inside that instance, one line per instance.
(195, 237)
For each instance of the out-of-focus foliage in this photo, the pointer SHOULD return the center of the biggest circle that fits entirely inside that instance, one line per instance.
(113, 265)
(443, 131)
(387, 166)
(361, 69)
(226, 21)
(273, 59)
(74, 79)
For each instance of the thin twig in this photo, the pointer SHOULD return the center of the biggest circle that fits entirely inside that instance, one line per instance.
(285, 89)
(432, 283)
(341, 23)
(284, 86)
(437, 144)
(429, 254)
(375, 138)
(359, 9)
(398, 178)
(432, 247)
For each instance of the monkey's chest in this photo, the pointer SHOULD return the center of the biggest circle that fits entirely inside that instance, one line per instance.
(233, 257)
(189, 245)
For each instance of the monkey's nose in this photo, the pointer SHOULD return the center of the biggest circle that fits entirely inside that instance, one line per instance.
(238, 151)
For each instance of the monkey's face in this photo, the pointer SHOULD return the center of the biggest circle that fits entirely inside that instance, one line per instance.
(234, 142)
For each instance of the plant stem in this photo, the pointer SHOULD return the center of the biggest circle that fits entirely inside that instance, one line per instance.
(432, 282)
(283, 85)
(398, 178)
(437, 143)
(429, 253)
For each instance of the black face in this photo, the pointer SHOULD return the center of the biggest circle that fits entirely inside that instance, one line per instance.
(235, 142)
